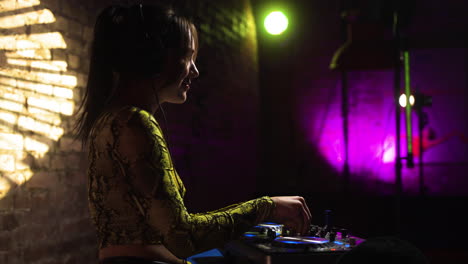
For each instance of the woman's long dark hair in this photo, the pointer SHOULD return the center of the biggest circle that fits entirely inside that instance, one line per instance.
(132, 41)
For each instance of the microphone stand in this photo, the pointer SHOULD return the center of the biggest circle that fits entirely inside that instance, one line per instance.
(422, 121)
(421, 101)
(397, 91)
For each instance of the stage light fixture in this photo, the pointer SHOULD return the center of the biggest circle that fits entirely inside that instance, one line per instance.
(402, 100)
(276, 23)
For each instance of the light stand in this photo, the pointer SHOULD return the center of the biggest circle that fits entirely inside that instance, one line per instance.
(397, 91)
(421, 101)
(367, 48)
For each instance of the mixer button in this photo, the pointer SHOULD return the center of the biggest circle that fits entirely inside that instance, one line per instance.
(344, 233)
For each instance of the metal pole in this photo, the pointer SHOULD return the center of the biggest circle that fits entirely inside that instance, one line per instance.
(397, 91)
(345, 114)
(421, 124)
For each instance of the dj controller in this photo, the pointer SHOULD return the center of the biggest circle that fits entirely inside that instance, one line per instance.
(271, 243)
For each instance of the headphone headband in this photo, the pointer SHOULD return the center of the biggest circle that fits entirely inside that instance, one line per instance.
(142, 17)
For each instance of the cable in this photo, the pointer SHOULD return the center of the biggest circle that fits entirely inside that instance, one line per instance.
(166, 127)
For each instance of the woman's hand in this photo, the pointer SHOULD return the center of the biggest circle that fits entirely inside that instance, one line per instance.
(293, 212)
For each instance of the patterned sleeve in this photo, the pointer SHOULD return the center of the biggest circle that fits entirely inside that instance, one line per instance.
(158, 193)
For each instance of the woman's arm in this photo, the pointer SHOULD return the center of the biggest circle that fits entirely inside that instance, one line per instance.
(156, 190)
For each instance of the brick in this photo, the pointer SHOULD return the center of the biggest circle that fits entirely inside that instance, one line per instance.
(4, 256)
(82, 80)
(76, 178)
(59, 54)
(43, 163)
(5, 241)
(75, 28)
(38, 192)
(74, 11)
(68, 125)
(6, 204)
(42, 179)
(20, 198)
(52, 4)
(73, 61)
(66, 161)
(11, 141)
(78, 93)
(9, 223)
(75, 161)
(18, 30)
(85, 65)
(75, 46)
(69, 144)
(39, 198)
(29, 162)
(37, 251)
(67, 9)
(61, 24)
(57, 162)
(39, 29)
(76, 225)
(88, 33)
(7, 162)
(3, 60)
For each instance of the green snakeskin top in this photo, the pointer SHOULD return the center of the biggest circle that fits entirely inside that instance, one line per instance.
(136, 196)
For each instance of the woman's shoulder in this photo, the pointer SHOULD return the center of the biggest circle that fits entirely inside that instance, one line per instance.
(125, 117)
(131, 115)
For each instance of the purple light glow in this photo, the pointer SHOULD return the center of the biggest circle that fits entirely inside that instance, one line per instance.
(388, 150)
(371, 142)
(372, 138)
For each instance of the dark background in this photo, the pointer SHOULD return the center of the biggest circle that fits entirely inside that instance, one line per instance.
(245, 130)
(295, 80)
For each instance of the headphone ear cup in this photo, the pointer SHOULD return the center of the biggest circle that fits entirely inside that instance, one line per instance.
(152, 50)
(152, 56)
(129, 46)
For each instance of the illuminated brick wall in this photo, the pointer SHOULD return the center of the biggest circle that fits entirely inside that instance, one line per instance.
(43, 64)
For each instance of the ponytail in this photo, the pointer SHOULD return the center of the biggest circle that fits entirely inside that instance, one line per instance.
(132, 40)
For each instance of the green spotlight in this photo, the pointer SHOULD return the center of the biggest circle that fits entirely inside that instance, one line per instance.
(276, 23)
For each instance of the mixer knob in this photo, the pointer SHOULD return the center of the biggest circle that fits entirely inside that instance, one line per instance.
(313, 230)
(328, 220)
(271, 234)
(344, 233)
(322, 232)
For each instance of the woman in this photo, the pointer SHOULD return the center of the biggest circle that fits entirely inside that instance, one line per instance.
(142, 57)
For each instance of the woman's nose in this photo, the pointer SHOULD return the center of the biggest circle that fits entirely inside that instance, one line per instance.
(194, 71)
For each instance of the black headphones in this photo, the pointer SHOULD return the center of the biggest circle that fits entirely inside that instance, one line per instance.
(152, 48)
(142, 17)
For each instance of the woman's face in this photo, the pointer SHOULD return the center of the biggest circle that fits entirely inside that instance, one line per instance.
(176, 91)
